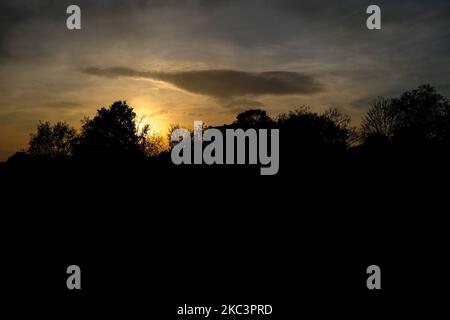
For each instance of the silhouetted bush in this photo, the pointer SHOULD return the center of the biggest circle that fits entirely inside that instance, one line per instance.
(304, 130)
(52, 141)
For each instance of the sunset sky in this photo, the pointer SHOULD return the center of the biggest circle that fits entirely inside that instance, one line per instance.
(178, 61)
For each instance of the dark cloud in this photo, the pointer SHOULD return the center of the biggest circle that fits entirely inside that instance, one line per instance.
(224, 83)
(31, 19)
(14, 14)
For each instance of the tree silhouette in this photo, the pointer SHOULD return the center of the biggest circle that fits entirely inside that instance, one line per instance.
(52, 141)
(306, 129)
(422, 116)
(151, 143)
(341, 124)
(172, 128)
(380, 121)
(416, 118)
(418, 121)
(253, 118)
(113, 133)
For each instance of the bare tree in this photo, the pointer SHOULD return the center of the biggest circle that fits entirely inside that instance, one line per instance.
(152, 144)
(380, 120)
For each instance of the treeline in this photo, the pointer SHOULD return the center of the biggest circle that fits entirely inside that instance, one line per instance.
(416, 121)
(113, 133)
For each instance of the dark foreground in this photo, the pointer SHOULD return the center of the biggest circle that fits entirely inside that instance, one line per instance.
(151, 237)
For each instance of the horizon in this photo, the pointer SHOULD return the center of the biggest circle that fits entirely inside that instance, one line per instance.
(218, 59)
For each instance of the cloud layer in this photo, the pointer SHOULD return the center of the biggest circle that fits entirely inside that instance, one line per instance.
(223, 83)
